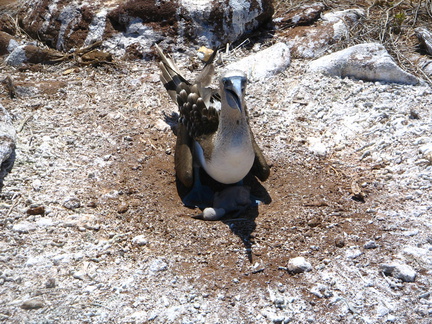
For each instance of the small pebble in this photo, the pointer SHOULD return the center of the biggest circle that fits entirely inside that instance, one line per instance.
(122, 208)
(299, 265)
(339, 242)
(353, 253)
(72, 203)
(139, 240)
(36, 210)
(50, 283)
(370, 245)
(33, 303)
(158, 265)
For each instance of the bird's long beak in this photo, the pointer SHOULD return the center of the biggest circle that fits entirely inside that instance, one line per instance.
(234, 90)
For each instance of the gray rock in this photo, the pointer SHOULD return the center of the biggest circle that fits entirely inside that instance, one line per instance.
(370, 245)
(7, 143)
(369, 62)
(298, 265)
(425, 38)
(17, 56)
(399, 271)
(264, 64)
(33, 303)
(72, 203)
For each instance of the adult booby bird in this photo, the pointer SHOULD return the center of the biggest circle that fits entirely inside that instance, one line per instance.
(213, 130)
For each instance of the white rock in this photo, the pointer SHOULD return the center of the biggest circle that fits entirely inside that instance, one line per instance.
(96, 28)
(316, 146)
(353, 253)
(139, 240)
(158, 265)
(299, 265)
(37, 185)
(44, 222)
(265, 63)
(24, 227)
(369, 62)
(399, 271)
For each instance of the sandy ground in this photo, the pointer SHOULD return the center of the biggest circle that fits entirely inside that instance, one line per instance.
(350, 190)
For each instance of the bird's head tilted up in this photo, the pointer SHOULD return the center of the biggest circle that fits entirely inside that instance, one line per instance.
(233, 86)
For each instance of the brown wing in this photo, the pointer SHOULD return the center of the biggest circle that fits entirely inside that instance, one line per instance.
(198, 117)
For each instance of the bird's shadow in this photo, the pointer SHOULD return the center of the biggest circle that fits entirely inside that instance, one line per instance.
(243, 225)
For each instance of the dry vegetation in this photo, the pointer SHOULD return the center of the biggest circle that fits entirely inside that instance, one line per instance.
(391, 23)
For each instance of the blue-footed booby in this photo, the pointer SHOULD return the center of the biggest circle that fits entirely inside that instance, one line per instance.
(213, 130)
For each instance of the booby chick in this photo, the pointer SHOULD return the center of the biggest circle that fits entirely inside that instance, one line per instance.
(213, 130)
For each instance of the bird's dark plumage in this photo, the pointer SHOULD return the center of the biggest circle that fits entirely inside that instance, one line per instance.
(213, 126)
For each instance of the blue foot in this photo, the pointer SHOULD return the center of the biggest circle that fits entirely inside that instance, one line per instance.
(200, 196)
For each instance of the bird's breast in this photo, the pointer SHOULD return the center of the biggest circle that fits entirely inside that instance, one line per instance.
(229, 162)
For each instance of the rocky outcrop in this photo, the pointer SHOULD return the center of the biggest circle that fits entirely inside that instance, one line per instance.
(313, 41)
(265, 63)
(369, 62)
(65, 25)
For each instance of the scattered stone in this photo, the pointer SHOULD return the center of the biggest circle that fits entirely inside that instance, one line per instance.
(36, 210)
(80, 275)
(353, 253)
(265, 63)
(139, 240)
(158, 265)
(44, 222)
(369, 62)
(33, 303)
(51, 283)
(425, 38)
(370, 245)
(321, 291)
(314, 222)
(24, 227)
(92, 226)
(72, 203)
(403, 272)
(298, 265)
(426, 151)
(339, 242)
(122, 208)
(37, 185)
(316, 146)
